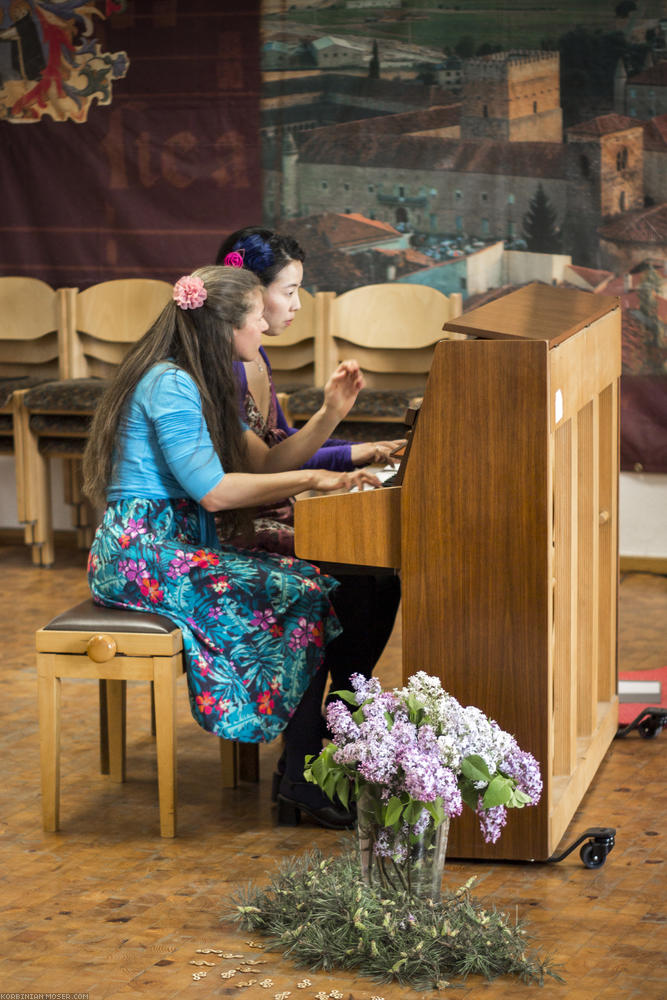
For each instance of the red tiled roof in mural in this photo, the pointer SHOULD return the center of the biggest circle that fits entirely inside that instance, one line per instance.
(413, 257)
(515, 159)
(594, 278)
(332, 230)
(403, 123)
(604, 125)
(656, 76)
(647, 225)
(655, 134)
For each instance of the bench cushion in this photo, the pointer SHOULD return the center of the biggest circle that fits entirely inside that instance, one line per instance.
(91, 617)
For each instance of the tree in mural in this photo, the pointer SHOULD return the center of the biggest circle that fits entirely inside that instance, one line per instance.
(374, 64)
(539, 225)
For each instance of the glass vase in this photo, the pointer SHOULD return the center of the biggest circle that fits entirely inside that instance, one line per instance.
(410, 861)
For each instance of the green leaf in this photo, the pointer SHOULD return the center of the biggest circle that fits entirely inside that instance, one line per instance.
(469, 794)
(393, 810)
(413, 811)
(348, 696)
(343, 790)
(498, 793)
(389, 719)
(474, 767)
(436, 810)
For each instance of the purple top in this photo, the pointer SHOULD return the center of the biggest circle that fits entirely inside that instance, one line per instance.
(334, 454)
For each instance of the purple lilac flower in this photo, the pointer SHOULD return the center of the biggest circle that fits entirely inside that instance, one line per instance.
(522, 766)
(422, 822)
(342, 726)
(491, 822)
(365, 687)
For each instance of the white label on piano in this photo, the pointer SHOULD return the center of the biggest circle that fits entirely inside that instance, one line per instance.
(558, 406)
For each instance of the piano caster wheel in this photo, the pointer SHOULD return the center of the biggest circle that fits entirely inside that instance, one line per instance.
(594, 852)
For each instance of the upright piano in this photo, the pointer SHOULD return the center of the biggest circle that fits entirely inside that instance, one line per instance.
(505, 533)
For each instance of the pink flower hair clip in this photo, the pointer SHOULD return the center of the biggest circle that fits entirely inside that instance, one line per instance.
(190, 292)
(234, 258)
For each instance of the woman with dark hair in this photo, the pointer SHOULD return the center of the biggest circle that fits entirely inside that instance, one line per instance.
(167, 449)
(366, 604)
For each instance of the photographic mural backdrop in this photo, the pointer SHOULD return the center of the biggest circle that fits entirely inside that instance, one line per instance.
(403, 138)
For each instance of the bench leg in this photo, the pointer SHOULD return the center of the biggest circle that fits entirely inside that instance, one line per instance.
(229, 763)
(49, 739)
(249, 761)
(165, 672)
(104, 728)
(116, 728)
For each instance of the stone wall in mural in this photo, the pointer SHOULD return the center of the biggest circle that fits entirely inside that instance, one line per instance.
(475, 147)
(51, 64)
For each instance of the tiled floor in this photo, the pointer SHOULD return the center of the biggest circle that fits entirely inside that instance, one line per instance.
(108, 908)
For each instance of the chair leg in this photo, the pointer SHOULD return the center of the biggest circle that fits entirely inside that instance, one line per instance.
(116, 698)
(229, 763)
(49, 739)
(165, 672)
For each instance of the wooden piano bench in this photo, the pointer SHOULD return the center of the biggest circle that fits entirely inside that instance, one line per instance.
(113, 645)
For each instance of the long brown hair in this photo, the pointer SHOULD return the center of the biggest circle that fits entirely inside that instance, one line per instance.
(201, 342)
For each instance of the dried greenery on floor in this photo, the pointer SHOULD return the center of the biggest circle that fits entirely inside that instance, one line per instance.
(319, 914)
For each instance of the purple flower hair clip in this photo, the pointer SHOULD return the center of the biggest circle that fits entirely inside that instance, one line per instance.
(190, 292)
(234, 258)
(257, 253)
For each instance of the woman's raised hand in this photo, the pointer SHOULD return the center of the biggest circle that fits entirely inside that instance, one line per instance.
(327, 481)
(376, 452)
(342, 388)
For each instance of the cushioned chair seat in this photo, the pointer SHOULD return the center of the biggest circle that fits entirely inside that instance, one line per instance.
(79, 395)
(10, 385)
(371, 404)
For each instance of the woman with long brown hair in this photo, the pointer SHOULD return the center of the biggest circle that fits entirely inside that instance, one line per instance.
(167, 449)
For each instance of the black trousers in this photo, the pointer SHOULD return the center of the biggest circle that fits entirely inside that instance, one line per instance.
(366, 606)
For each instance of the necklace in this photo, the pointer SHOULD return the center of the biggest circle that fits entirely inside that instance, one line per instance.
(260, 366)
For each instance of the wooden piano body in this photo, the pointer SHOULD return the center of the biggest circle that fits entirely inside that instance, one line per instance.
(505, 533)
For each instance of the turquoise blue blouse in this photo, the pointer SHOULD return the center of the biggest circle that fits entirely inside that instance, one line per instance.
(166, 447)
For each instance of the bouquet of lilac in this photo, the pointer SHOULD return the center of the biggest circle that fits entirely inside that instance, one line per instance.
(412, 756)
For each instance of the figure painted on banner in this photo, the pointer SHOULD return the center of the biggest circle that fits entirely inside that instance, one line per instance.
(56, 55)
(366, 604)
(28, 60)
(167, 450)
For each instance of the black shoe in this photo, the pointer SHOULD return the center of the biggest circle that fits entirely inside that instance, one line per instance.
(297, 797)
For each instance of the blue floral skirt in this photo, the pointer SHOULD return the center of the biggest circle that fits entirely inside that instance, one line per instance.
(255, 625)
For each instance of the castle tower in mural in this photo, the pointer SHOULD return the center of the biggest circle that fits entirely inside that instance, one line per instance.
(512, 97)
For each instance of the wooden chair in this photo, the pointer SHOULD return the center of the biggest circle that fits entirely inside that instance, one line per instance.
(391, 330)
(30, 353)
(113, 646)
(97, 327)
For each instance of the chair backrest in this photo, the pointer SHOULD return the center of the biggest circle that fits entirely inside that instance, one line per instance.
(293, 355)
(106, 319)
(391, 330)
(29, 325)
